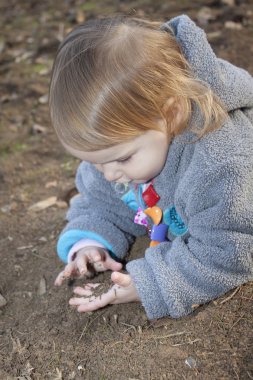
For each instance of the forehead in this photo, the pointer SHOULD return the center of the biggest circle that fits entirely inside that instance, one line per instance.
(145, 141)
(108, 154)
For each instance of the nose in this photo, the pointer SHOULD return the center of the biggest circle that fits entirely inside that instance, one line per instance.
(110, 172)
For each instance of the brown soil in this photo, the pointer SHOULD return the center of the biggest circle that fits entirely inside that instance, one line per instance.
(41, 337)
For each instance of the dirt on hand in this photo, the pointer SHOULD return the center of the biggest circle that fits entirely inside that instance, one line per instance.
(41, 337)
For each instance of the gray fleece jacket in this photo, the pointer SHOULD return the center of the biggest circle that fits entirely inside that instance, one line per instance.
(207, 184)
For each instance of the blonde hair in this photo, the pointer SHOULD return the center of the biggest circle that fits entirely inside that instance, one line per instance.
(111, 79)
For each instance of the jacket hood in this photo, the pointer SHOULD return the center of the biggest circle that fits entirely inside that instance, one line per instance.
(233, 85)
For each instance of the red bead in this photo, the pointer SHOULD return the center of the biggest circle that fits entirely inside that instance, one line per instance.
(150, 196)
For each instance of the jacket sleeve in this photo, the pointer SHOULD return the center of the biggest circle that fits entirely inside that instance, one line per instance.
(216, 254)
(99, 214)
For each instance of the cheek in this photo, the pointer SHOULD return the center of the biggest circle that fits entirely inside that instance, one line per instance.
(144, 166)
(98, 167)
(154, 164)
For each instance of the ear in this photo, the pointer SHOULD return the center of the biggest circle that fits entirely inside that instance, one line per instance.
(174, 115)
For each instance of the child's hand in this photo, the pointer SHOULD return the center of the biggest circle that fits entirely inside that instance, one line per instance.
(122, 291)
(86, 257)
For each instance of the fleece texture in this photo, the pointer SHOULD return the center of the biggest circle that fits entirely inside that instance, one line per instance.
(210, 185)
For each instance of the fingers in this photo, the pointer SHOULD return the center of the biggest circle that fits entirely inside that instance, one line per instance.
(66, 273)
(111, 264)
(122, 291)
(93, 303)
(78, 267)
(99, 260)
(81, 264)
(99, 266)
(86, 290)
(59, 279)
(121, 279)
(69, 269)
(92, 254)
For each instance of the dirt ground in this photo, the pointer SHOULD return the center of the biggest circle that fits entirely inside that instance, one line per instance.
(41, 337)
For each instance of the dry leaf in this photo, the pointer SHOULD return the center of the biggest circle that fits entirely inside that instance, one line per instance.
(42, 286)
(61, 204)
(42, 205)
(50, 184)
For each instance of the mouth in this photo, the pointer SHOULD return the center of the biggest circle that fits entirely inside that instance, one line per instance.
(127, 182)
(135, 181)
(142, 181)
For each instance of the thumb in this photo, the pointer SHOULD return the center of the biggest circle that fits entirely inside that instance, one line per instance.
(121, 279)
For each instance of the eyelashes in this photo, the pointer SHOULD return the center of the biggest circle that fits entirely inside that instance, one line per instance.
(124, 160)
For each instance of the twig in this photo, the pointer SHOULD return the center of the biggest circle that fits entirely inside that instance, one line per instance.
(236, 374)
(247, 298)
(39, 257)
(88, 324)
(84, 329)
(181, 375)
(25, 247)
(169, 335)
(22, 333)
(114, 343)
(231, 295)
(130, 326)
(235, 323)
(189, 342)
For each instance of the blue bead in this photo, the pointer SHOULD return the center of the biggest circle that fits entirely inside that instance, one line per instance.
(159, 232)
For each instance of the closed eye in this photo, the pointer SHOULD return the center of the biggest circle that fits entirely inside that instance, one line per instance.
(123, 160)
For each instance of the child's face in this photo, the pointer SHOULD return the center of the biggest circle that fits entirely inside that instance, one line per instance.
(137, 161)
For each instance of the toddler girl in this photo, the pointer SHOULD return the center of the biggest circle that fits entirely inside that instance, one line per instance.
(164, 130)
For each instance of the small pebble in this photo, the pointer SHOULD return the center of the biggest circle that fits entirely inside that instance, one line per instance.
(37, 129)
(43, 238)
(43, 99)
(2, 46)
(230, 3)
(3, 301)
(233, 25)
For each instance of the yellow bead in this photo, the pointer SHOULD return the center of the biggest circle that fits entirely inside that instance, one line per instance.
(155, 214)
(153, 243)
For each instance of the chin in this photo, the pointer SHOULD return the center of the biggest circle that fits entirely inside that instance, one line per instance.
(141, 181)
